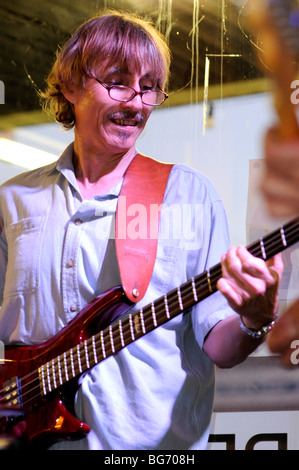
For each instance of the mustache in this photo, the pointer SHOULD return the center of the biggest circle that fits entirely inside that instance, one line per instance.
(127, 115)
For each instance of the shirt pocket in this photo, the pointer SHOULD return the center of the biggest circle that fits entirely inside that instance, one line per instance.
(24, 254)
(167, 268)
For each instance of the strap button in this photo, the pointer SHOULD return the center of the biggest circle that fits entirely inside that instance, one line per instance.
(135, 293)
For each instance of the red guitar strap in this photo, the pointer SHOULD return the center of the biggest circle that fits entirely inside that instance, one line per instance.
(137, 223)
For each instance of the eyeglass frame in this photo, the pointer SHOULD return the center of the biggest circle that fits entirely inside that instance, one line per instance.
(141, 93)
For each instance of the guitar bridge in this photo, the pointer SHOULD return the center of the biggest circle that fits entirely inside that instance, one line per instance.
(12, 395)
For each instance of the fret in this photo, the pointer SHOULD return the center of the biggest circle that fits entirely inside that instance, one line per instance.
(72, 363)
(131, 328)
(42, 381)
(209, 281)
(142, 322)
(283, 238)
(120, 327)
(102, 344)
(111, 339)
(59, 371)
(48, 376)
(154, 314)
(66, 373)
(136, 323)
(79, 358)
(194, 290)
(166, 306)
(263, 251)
(53, 373)
(86, 354)
(180, 298)
(94, 350)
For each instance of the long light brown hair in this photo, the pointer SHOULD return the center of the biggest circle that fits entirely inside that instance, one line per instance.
(112, 38)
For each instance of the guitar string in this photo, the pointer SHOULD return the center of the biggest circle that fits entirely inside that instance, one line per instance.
(174, 293)
(125, 332)
(215, 273)
(127, 338)
(212, 272)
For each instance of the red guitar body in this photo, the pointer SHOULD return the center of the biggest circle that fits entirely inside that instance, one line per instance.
(49, 419)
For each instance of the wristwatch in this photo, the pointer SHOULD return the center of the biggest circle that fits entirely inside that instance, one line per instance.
(257, 334)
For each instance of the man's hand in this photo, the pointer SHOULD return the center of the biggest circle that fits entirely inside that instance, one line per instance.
(250, 286)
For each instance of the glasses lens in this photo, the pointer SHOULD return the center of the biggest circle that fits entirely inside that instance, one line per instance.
(153, 98)
(121, 93)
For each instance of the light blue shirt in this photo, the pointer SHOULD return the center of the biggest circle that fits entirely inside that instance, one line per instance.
(56, 255)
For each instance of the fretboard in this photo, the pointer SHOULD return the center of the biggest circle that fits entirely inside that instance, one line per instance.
(137, 324)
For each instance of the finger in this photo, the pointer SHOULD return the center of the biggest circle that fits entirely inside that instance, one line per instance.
(281, 156)
(278, 208)
(247, 272)
(232, 293)
(254, 266)
(236, 279)
(275, 265)
(284, 189)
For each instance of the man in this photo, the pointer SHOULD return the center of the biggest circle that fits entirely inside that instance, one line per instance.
(56, 253)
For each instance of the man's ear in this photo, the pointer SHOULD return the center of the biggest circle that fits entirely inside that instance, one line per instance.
(70, 93)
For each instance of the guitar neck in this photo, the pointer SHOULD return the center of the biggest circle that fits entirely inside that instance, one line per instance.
(128, 329)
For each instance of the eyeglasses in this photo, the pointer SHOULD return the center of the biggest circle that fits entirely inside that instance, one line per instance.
(126, 93)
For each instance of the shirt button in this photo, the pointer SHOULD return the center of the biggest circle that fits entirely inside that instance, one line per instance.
(73, 308)
(70, 264)
(78, 221)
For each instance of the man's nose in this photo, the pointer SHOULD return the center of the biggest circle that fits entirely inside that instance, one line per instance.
(135, 103)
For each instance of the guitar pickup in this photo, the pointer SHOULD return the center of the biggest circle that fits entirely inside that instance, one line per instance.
(12, 395)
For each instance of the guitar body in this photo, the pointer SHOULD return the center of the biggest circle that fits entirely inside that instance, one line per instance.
(49, 419)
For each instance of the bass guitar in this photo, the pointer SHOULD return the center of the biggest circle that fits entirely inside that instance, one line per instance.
(39, 382)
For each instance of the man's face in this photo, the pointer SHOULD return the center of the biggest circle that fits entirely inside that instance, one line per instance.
(107, 125)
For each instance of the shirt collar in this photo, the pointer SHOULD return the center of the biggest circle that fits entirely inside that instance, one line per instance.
(65, 166)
